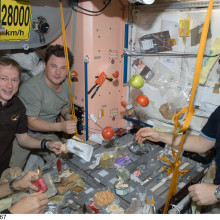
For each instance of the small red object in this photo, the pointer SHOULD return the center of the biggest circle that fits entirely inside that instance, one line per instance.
(124, 104)
(59, 166)
(74, 73)
(101, 79)
(143, 100)
(115, 74)
(120, 132)
(40, 184)
(93, 207)
(108, 132)
(137, 173)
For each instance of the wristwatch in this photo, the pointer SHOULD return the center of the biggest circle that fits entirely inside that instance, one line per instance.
(217, 193)
(11, 186)
(6, 211)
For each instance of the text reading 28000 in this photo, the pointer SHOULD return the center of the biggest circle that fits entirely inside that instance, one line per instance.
(16, 15)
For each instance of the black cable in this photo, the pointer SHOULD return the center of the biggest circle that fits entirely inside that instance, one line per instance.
(76, 5)
(84, 13)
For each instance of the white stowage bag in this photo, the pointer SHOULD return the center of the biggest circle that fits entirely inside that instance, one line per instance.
(81, 149)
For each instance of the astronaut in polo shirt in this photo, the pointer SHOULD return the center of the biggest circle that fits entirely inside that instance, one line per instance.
(13, 121)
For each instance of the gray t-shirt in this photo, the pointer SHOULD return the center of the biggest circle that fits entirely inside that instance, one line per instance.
(41, 101)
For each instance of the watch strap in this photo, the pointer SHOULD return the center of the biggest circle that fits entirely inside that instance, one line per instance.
(43, 144)
(6, 211)
(11, 186)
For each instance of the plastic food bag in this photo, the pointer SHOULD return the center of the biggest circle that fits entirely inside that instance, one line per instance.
(103, 197)
(138, 207)
(142, 69)
(107, 159)
(175, 102)
(167, 152)
(81, 149)
(115, 208)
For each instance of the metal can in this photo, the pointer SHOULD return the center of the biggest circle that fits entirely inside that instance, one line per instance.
(122, 188)
(122, 185)
(40, 183)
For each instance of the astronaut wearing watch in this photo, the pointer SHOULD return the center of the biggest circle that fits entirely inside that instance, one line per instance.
(11, 186)
(217, 193)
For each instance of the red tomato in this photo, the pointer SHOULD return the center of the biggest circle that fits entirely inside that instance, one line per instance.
(124, 104)
(74, 73)
(108, 132)
(143, 100)
(115, 74)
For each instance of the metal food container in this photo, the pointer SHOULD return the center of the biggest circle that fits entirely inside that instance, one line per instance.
(122, 185)
(122, 189)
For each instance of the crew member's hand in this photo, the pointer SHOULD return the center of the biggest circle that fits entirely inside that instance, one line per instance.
(54, 146)
(147, 133)
(203, 194)
(68, 117)
(64, 148)
(69, 126)
(34, 203)
(25, 183)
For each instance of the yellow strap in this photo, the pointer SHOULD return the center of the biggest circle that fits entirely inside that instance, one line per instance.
(67, 63)
(172, 166)
(189, 110)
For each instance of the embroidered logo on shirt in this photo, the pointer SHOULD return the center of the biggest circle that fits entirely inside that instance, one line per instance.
(14, 117)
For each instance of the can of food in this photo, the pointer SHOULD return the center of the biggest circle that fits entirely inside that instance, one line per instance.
(122, 185)
(40, 183)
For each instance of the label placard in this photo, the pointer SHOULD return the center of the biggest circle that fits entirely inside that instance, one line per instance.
(16, 20)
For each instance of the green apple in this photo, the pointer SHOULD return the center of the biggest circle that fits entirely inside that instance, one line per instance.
(137, 81)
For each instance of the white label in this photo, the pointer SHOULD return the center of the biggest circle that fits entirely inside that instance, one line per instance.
(181, 185)
(122, 192)
(199, 169)
(70, 201)
(92, 166)
(92, 116)
(113, 180)
(131, 189)
(103, 173)
(89, 190)
(147, 44)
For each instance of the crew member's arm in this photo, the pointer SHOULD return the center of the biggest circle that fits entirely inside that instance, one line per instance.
(20, 184)
(34, 203)
(197, 144)
(27, 141)
(35, 124)
(203, 193)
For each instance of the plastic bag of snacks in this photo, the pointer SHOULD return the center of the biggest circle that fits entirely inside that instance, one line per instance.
(115, 208)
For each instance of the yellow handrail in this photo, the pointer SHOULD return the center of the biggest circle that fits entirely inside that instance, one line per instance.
(67, 63)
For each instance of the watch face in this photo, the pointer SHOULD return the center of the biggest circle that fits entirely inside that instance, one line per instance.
(217, 193)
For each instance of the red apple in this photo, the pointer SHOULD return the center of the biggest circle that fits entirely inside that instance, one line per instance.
(137, 81)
